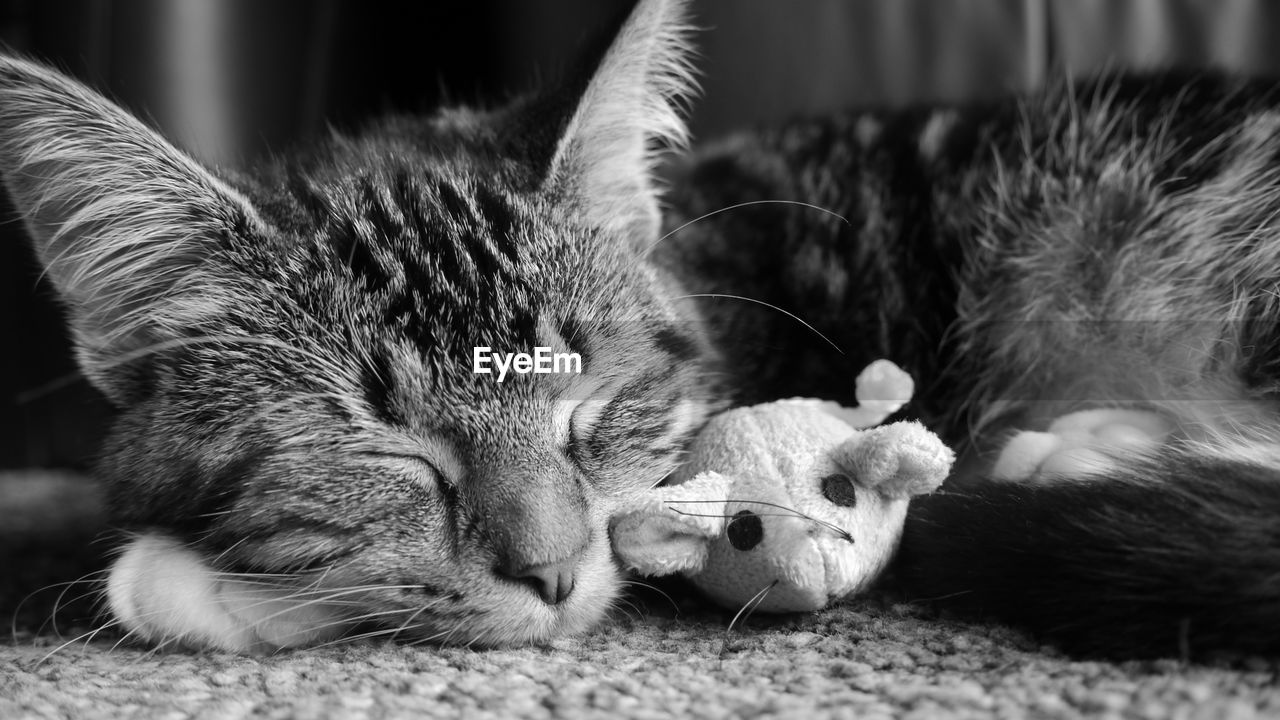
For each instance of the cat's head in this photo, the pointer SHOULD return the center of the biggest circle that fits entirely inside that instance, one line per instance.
(293, 352)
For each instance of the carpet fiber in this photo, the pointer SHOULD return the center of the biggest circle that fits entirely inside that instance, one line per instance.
(870, 658)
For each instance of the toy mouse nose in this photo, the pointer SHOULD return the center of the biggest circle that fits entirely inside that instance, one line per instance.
(553, 581)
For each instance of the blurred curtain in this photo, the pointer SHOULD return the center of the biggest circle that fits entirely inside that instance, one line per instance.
(766, 60)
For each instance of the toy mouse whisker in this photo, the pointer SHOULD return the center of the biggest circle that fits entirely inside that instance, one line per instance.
(790, 512)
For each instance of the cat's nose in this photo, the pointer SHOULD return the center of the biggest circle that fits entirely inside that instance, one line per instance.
(553, 581)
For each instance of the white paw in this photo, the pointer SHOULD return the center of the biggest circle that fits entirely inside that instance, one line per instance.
(1024, 454)
(1116, 426)
(1081, 444)
(163, 592)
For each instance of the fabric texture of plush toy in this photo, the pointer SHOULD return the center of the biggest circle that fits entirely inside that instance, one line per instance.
(792, 504)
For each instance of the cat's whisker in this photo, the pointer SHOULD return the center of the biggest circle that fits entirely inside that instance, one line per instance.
(331, 596)
(228, 550)
(392, 632)
(348, 639)
(111, 536)
(662, 479)
(649, 250)
(254, 578)
(213, 514)
(406, 628)
(87, 637)
(654, 588)
(318, 597)
(86, 578)
(445, 634)
(623, 600)
(321, 576)
(53, 615)
(441, 637)
(414, 616)
(94, 633)
(384, 631)
(750, 606)
(344, 620)
(88, 634)
(791, 315)
(628, 608)
(154, 648)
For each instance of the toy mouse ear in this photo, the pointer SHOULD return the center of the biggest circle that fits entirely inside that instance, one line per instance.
(896, 460)
(671, 531)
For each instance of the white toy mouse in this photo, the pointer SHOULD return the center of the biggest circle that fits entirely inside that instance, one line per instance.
(792, 504)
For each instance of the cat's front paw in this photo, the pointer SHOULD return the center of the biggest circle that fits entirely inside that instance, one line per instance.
(163, 592)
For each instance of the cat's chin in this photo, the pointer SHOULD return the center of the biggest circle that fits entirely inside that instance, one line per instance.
(164, 593)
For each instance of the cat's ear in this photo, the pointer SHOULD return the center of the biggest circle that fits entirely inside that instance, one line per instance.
(628, 110)
(119, 218)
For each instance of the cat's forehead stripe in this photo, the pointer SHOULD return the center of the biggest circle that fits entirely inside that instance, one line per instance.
(430, 251)
(501, 216)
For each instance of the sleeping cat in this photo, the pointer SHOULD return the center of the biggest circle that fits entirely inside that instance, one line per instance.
(304, 453)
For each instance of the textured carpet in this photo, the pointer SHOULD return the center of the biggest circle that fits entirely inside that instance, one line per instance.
(870, 658)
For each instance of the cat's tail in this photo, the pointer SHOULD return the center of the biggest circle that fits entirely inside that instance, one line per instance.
(1173, 557)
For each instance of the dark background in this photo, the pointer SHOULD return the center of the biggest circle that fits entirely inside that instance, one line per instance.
(230, 80)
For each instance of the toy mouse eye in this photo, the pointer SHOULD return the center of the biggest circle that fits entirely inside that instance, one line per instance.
(745, 530)
(839, 489)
